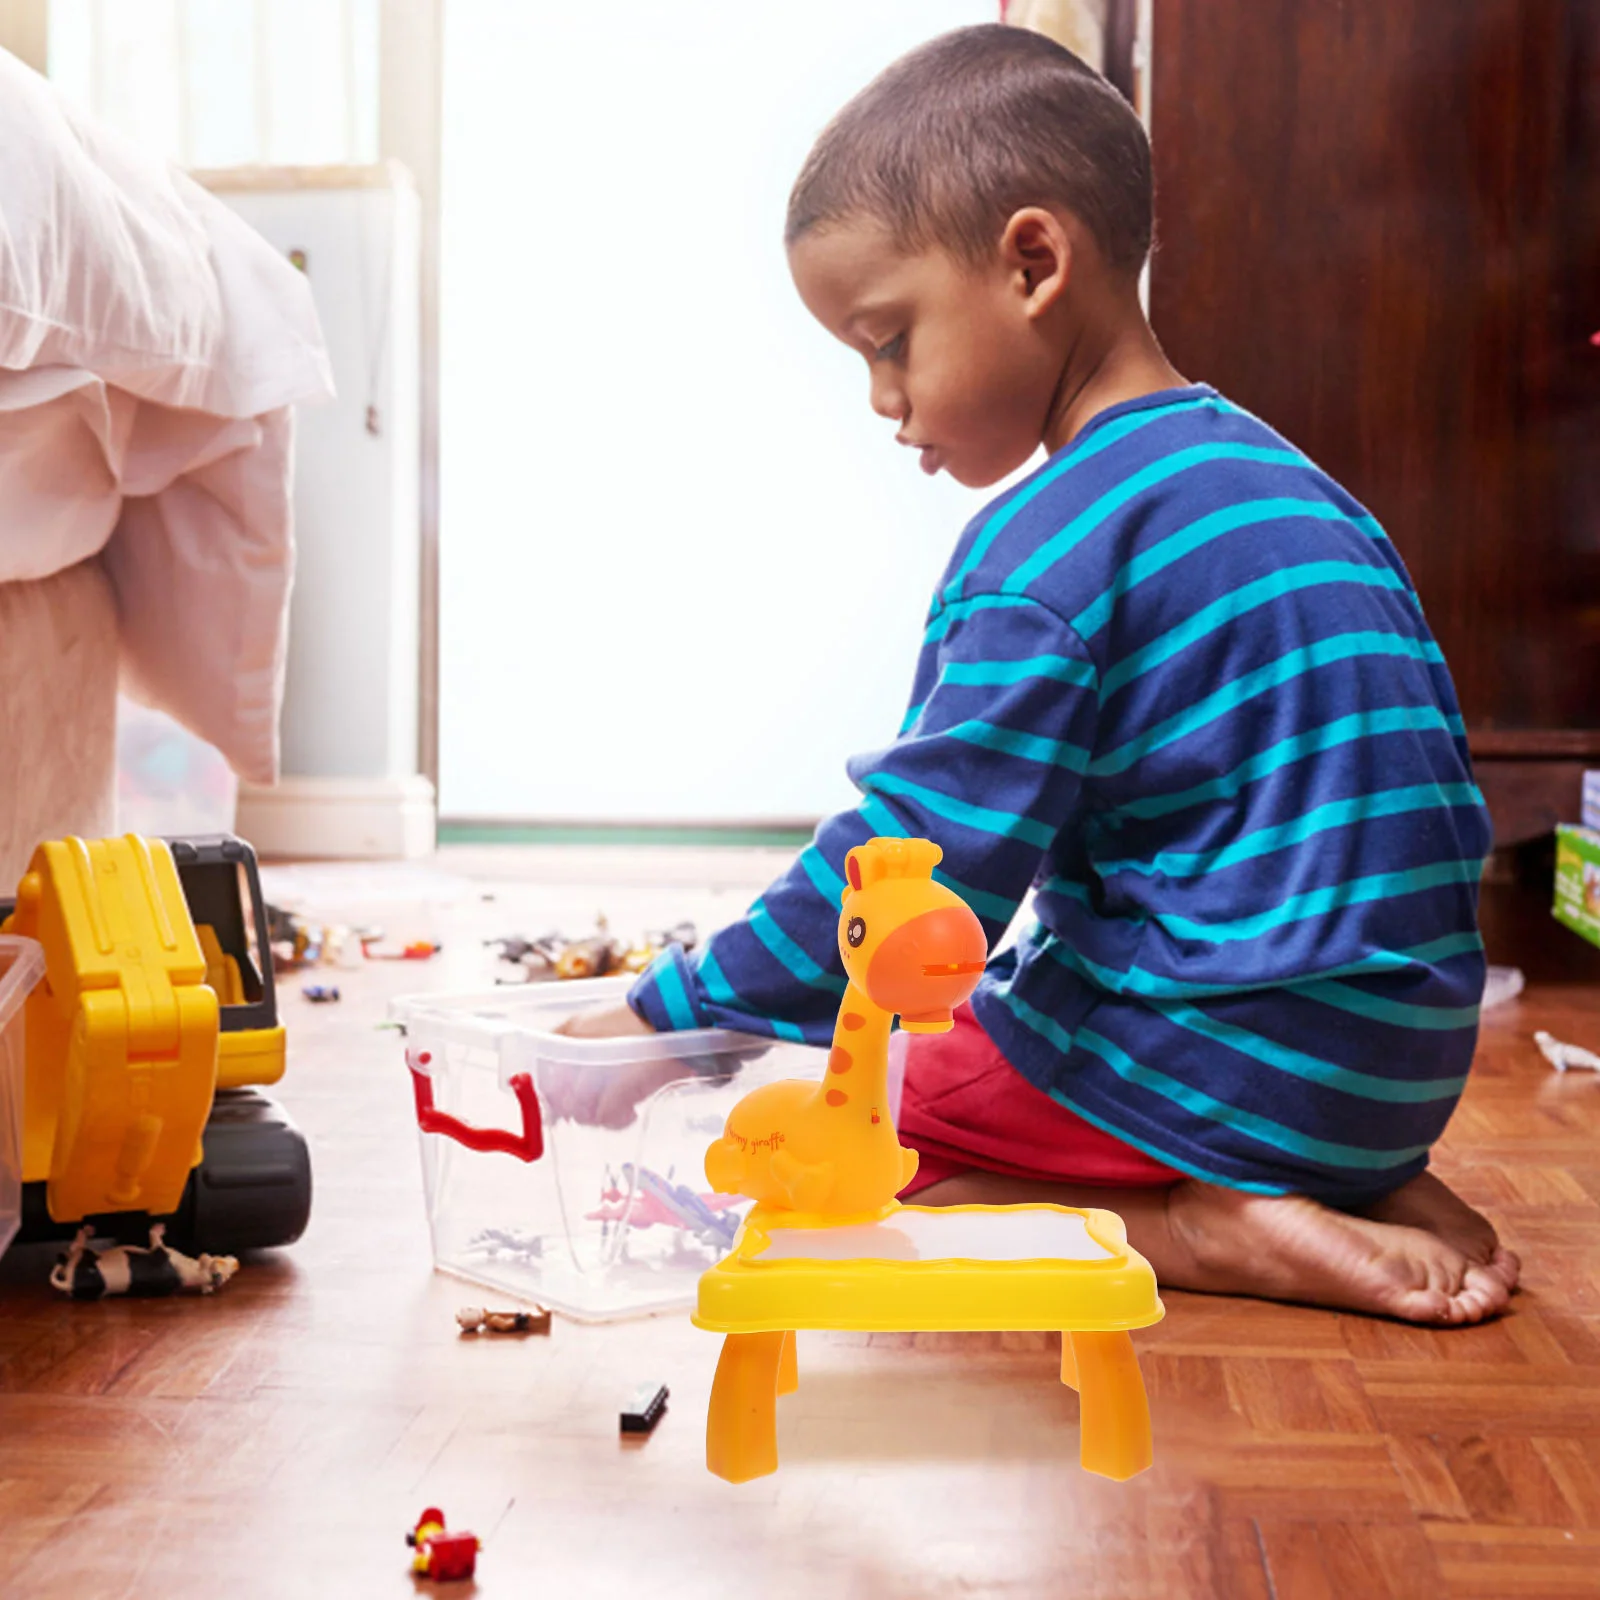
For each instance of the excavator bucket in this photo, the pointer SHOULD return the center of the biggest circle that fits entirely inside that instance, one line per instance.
(122, 1032)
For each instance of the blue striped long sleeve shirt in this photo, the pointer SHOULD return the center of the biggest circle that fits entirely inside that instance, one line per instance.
(1178, 683)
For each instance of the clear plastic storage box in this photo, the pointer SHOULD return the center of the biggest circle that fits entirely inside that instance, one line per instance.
(571, 1172)
(21, 966)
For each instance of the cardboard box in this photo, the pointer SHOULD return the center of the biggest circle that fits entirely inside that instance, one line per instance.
(1591, 800)
(1577, 901)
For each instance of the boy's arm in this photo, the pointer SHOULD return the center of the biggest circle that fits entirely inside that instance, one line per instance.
(989, 766)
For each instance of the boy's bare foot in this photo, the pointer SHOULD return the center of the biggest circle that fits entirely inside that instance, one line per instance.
(1221, 1241)
(1295, 1249)
(1433, 1206)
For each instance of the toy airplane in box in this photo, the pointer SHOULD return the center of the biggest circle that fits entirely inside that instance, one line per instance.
(146, 1040)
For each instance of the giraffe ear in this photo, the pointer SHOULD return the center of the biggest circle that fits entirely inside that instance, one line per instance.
(890, 858)
(916, 858)
(866, 864)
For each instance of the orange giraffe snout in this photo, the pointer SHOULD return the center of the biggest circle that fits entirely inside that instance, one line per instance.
(927, 966)
(909, 943)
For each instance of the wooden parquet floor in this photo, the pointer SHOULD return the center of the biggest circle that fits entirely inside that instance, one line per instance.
(277, 1439)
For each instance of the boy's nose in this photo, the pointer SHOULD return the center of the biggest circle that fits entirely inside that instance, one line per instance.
(888, 400)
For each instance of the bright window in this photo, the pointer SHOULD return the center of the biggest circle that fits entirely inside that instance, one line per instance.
(684, 568)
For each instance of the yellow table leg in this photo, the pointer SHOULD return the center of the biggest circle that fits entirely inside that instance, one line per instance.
(1069, 1362)
(1114, 1415)
(742, 1423)
(788, 1366)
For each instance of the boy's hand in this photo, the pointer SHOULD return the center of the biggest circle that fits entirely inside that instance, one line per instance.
(603, 1096)
(619, 1021)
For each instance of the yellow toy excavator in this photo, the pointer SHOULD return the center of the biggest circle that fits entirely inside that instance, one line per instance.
(146, 1038)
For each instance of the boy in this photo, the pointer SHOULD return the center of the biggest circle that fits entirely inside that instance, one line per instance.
(1176, 681)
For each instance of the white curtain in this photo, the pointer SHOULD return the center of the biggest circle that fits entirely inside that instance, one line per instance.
(221, 83)
(684, 566)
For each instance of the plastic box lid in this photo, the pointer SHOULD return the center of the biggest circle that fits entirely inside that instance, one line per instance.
(520, 1016)
(21, 966)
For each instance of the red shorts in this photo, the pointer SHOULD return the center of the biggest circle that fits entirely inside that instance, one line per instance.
(965, 1107)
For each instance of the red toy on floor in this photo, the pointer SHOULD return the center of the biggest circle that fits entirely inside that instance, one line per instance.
(440, 1555)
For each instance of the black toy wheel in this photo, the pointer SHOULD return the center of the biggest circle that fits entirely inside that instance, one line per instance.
(252, 1191)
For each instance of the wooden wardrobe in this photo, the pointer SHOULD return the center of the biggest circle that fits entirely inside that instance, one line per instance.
(1378, 227)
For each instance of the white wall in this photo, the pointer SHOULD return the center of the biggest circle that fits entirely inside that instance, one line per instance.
(684, 567)
(350, 689)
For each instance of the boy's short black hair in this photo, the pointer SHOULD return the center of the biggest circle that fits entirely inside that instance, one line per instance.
(944, 145)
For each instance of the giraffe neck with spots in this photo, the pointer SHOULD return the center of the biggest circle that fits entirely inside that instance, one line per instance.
(856, 1085)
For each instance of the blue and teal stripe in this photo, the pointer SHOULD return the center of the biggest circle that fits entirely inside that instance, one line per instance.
(1311, 1069)
(887, 824)
(1368, 643)
(1148, 984)
(1285, 835)
(982, 819)
(1031, 672)
(1357, 727)
(1278, 1136)
(723, 993)
(1097, 515)
(1276, 510)
(1320, 902)
(1235, 604)
(1016, 742)
(783, 948)
(666, 975)
(1265, 1130)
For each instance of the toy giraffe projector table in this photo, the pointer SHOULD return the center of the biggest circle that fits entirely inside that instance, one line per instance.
(828, 1245)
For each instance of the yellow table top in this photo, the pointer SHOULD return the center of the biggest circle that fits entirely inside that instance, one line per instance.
(932, 1269)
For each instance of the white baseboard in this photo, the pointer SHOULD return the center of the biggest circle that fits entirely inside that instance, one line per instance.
(375, 819)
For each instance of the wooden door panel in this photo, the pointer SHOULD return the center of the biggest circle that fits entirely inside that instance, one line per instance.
(1378, 227)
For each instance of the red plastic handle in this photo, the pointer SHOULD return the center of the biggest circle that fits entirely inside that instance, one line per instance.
(525, 1146)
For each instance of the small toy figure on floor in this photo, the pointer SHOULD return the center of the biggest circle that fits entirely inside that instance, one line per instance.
(157, 1269)
(645, 1409)
(1563, 1057)
(474, 1319)
(440, 1555)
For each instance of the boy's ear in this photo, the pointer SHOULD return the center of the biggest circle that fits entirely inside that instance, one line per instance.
(1037, 253)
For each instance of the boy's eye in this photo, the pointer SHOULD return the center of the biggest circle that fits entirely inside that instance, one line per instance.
(892, 351)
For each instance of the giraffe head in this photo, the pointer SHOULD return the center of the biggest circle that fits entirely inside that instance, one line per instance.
(912, 946)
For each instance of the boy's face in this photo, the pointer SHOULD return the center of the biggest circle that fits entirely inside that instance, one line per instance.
(957, 354)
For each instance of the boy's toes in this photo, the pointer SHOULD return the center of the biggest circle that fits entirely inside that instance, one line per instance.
(1425, 1306)
(1479, 1294)
(1506, 1265)
(1430, 1282)
(1483, 1293)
